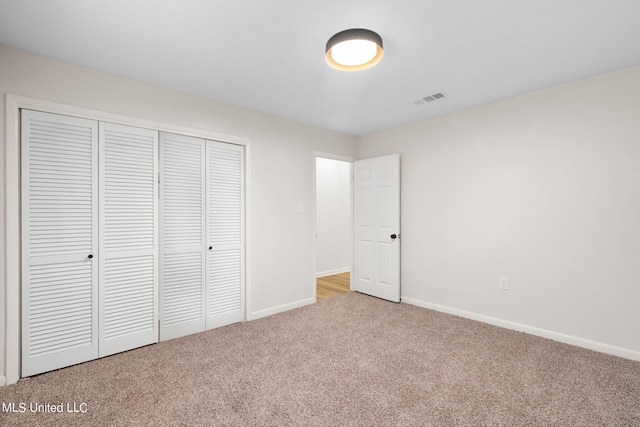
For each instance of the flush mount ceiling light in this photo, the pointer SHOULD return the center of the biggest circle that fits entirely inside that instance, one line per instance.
(354, 50)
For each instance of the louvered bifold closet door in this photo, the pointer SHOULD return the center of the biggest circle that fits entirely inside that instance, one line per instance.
(129, 237)
(59, 156)
(182, 200)
(225, 234)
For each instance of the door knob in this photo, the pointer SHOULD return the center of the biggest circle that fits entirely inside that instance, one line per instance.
(89, 256)
(210, 247)
(393, 236)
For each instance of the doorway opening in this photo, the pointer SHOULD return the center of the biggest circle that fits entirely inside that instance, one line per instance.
(333, 220)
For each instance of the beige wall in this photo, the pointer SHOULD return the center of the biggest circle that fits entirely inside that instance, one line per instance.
(543, 189)
(282, 156)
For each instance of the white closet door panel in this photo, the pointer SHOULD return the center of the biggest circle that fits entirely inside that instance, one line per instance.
(225, 234)
(182, 188)
(129, 243)
(59, 236)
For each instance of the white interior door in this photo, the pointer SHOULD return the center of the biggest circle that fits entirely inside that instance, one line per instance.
(182, 235)
(225, 234)
(129, 237)
(376, 224)
(59, 241)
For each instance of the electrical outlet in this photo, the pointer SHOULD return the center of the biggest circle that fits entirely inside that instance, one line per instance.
(504, 284)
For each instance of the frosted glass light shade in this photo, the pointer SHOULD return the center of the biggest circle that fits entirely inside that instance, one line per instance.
(354, 50)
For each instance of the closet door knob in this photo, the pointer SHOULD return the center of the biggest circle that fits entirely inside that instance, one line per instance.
(90, 256)
(210, 247)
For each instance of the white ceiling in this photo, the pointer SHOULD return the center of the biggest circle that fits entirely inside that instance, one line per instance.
(268, 55)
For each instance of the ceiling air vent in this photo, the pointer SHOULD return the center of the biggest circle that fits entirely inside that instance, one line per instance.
(430, 98)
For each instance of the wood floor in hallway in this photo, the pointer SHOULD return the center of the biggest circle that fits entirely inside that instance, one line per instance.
(332, 286)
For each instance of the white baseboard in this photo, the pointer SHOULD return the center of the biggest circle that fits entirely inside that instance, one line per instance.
(332, 272)
(556, 336)
(3, 381)
(279, 309)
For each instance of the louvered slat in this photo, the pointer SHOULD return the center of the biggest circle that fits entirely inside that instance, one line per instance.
(182, 193)
(129, 193)
(182, 289)
(138, 174)
(225, 232)
(49, 142)
(224, 282)
(182, 235)
(131, 284)
(59, 231)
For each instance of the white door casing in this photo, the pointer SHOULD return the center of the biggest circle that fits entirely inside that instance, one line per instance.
(52, 353)
(59, 241)
(376, 227)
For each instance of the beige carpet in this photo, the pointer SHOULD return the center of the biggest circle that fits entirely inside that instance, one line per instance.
(349, 361)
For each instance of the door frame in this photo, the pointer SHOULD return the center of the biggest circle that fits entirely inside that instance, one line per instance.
(342, 158)
(12, 303)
